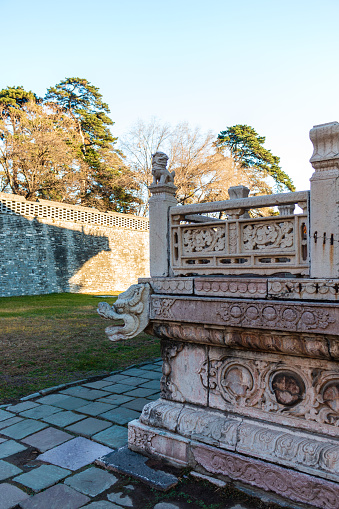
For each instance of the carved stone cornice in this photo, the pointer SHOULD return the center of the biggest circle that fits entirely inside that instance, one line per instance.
(249, 314)
(303, 345)
(243, 288)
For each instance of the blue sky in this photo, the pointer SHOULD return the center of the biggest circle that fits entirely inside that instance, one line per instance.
(266, 63)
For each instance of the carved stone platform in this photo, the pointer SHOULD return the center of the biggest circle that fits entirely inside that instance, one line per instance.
(250, 386)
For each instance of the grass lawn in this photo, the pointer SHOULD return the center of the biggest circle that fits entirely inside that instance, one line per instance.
(46, 340)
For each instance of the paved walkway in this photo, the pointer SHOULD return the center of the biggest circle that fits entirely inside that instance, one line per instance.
(49, 442)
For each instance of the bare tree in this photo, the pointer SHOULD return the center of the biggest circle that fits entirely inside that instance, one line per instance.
(39, 152)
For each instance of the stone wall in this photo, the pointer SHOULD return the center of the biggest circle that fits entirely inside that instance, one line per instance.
(48, 247)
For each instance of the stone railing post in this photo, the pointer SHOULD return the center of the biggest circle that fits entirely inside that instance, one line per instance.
(324, 204)
(163, 197)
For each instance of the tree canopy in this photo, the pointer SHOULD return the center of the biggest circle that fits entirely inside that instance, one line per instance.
(245, 146)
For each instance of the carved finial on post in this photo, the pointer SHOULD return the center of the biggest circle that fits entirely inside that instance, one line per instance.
(163, 197)
(324, 205)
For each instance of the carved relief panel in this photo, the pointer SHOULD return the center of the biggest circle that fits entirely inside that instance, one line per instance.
(265, 386)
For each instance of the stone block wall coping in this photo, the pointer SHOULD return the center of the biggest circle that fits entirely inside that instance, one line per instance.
(303, 289)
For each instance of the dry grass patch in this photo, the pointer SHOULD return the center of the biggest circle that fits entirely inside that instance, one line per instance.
(47, 340)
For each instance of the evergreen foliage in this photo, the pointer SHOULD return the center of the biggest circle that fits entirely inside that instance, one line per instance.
(245, 146)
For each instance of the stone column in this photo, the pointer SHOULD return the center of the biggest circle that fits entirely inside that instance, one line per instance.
(163, 197)
(324, 204)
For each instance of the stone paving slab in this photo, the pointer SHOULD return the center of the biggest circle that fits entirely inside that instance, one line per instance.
(10, 496)
(92, 481)
(84, 392)
(9, 422)
(89, 426)
(135, 372)
(5, 415)
(118, 388)
(150, 367)
(134, 381)
(74, 454)
(136, 404)
(134, 464)
(40, 411)
(56, 497)
(20, 407)
(115, 399)
(50, 399)
(63, 419)
(152, 384)
(23, 428)
(114, 437)
(121, 415)
(70, 403)
(141, 393)
(154, 375)
(42, 477)
(96, 408)
(47, 438)
(8, 470)
(97, 385)
(10, 447)
(116, 378)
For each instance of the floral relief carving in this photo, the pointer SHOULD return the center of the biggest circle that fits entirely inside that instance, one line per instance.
(288, 483)
(281, 316)
(207, 239)
(274, 387)
(162, 307)
(141, 439)
(268, 236)
(169, 389)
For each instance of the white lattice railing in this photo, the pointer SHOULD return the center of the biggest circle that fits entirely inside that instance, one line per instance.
(240, 244)
(12, 204)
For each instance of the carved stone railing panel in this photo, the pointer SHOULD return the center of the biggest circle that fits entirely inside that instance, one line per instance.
(240, 244)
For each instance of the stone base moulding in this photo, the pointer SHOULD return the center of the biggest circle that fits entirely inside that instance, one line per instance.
(228, 465)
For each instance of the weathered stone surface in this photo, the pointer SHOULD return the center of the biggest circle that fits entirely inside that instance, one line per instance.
(23, 428)
(8, 470)
(75, 453)
(56, 497)
(47, 438)
(309, 289)
(131, 307)
(5, 415)
(165, 285)
(21, 407)
(63, 419)
(150, 441)
(88, 427)
(133, 464)
(285, 482)
(181, 381)
(40, 411)
(121, 499)
(42, 477)
(230, 287)
(305, 345)
(114, 437)
(120, 415)
(91, 481)
(10, 447)
(62, 247)
(11, 495)
(274, 315)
